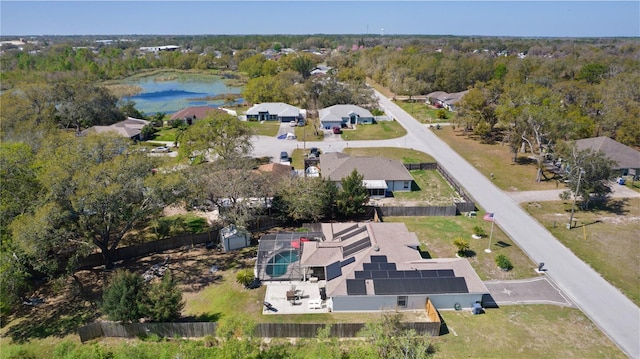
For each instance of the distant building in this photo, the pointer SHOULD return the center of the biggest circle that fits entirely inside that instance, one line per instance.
(274, 111)
(344, 116)
(190, 114)
(627, 160)
(130, 128)
(157, 49)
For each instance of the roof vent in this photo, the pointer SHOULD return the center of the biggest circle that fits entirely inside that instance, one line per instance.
(376, 248)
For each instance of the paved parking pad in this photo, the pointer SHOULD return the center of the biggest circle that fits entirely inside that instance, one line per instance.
(539, 290)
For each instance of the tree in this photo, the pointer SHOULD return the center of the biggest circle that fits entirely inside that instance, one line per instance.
(305, 199)
(163, 301)
(123, 298)
(94, 195)
(389, 339)
(353, 195)
(219, 135)
(82, 105)
(245, 277)
(589, 174)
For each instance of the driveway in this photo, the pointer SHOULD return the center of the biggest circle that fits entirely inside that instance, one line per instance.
(538, 290)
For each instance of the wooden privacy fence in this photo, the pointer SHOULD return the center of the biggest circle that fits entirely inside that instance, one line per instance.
(418, 211)
(132, 330)
(262, 330)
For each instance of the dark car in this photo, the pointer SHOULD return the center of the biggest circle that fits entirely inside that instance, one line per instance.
(337, 130)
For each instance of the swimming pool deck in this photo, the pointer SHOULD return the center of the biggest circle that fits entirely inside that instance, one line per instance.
(308, 302)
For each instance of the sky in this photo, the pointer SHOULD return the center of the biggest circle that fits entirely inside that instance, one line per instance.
(461, 18)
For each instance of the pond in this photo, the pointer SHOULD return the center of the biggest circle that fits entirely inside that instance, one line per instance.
(170, 92)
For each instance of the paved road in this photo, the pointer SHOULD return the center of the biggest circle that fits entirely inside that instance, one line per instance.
(614, 313)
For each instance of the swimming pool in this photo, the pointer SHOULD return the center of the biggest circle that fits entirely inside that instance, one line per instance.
(278, 264)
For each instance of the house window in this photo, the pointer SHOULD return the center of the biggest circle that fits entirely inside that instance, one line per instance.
(402, 301)
(406, 184)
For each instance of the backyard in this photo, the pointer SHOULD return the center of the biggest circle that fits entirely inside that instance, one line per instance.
(382, 130)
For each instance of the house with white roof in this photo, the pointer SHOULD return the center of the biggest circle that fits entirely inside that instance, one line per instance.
(344, 116)
(274, 111)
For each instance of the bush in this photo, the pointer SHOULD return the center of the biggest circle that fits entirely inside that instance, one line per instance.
(441, 114)
(245, 277)
(164, 300)
(503, 262)
(478, 231)
(123, 298)
(462, 245)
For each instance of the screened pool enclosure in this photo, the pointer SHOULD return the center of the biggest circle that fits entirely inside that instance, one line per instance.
(279, 255)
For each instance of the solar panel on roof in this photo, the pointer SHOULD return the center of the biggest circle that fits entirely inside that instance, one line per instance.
(355, 247)
(351, 234)
(428, 273)
(378, 259)
(379, 274)
(347, 261)
(445, 273)
(419, 286)
(346, 230)
(396, 274)
(363, 274)
(356, 287)
(333, 270)
(387, 266)
(370, 266)
(412, 274)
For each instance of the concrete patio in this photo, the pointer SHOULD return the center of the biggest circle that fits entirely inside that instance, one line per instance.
(307, 298)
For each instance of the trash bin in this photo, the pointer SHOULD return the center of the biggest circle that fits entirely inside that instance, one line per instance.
(476, 309)
(620, 181)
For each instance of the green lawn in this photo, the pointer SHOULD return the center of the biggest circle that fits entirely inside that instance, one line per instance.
(437, 234)
(382, 130)
(605, 238)
(308, 133)
(531, 331)
(403, 155)
(264, 128)
(422, 112)
(166, 134)
(430, 189)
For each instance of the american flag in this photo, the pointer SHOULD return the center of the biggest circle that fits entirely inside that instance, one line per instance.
(489, 217)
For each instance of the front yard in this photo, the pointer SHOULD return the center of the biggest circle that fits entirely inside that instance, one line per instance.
(382, 130)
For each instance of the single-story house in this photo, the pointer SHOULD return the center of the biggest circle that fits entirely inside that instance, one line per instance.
(130, 128)
(190, 114)
(369, 267)
(380, 175)
(445, 100)
(344, 115)
(274, 111)
(627, 159)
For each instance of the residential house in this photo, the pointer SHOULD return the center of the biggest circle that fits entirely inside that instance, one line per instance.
(627, 159)
(380, 175)
(274, 111)
(130, 128)
(368, 267)
(190, 114)
(442, 99)
(344, 116)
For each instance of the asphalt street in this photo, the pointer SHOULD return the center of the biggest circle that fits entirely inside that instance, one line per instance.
(605, 305)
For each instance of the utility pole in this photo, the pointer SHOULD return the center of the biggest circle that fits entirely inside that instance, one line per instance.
(575, 196)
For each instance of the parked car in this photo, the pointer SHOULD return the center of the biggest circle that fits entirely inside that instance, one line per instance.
(284, 156)
(161, 149)
(337, 130)
(293, 123)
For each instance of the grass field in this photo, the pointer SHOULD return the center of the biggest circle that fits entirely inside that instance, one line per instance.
(437, 234)
(264, 128)
(423, 112)
(308, 133)
(605, 238)
(166, 134)
(430, 189)
(403, 155)
(382, 130)
(497, 159)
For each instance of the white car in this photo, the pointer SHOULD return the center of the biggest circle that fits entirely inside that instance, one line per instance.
(161, 149)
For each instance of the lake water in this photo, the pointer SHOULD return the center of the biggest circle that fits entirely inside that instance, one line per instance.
(180, 91)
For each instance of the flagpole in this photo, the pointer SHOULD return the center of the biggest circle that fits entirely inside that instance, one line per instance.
(493, 220)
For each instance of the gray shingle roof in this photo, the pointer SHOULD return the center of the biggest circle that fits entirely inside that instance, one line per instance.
(275, 108)
(335, 166)
(128, 128)
(625, 156)
(337, 112)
